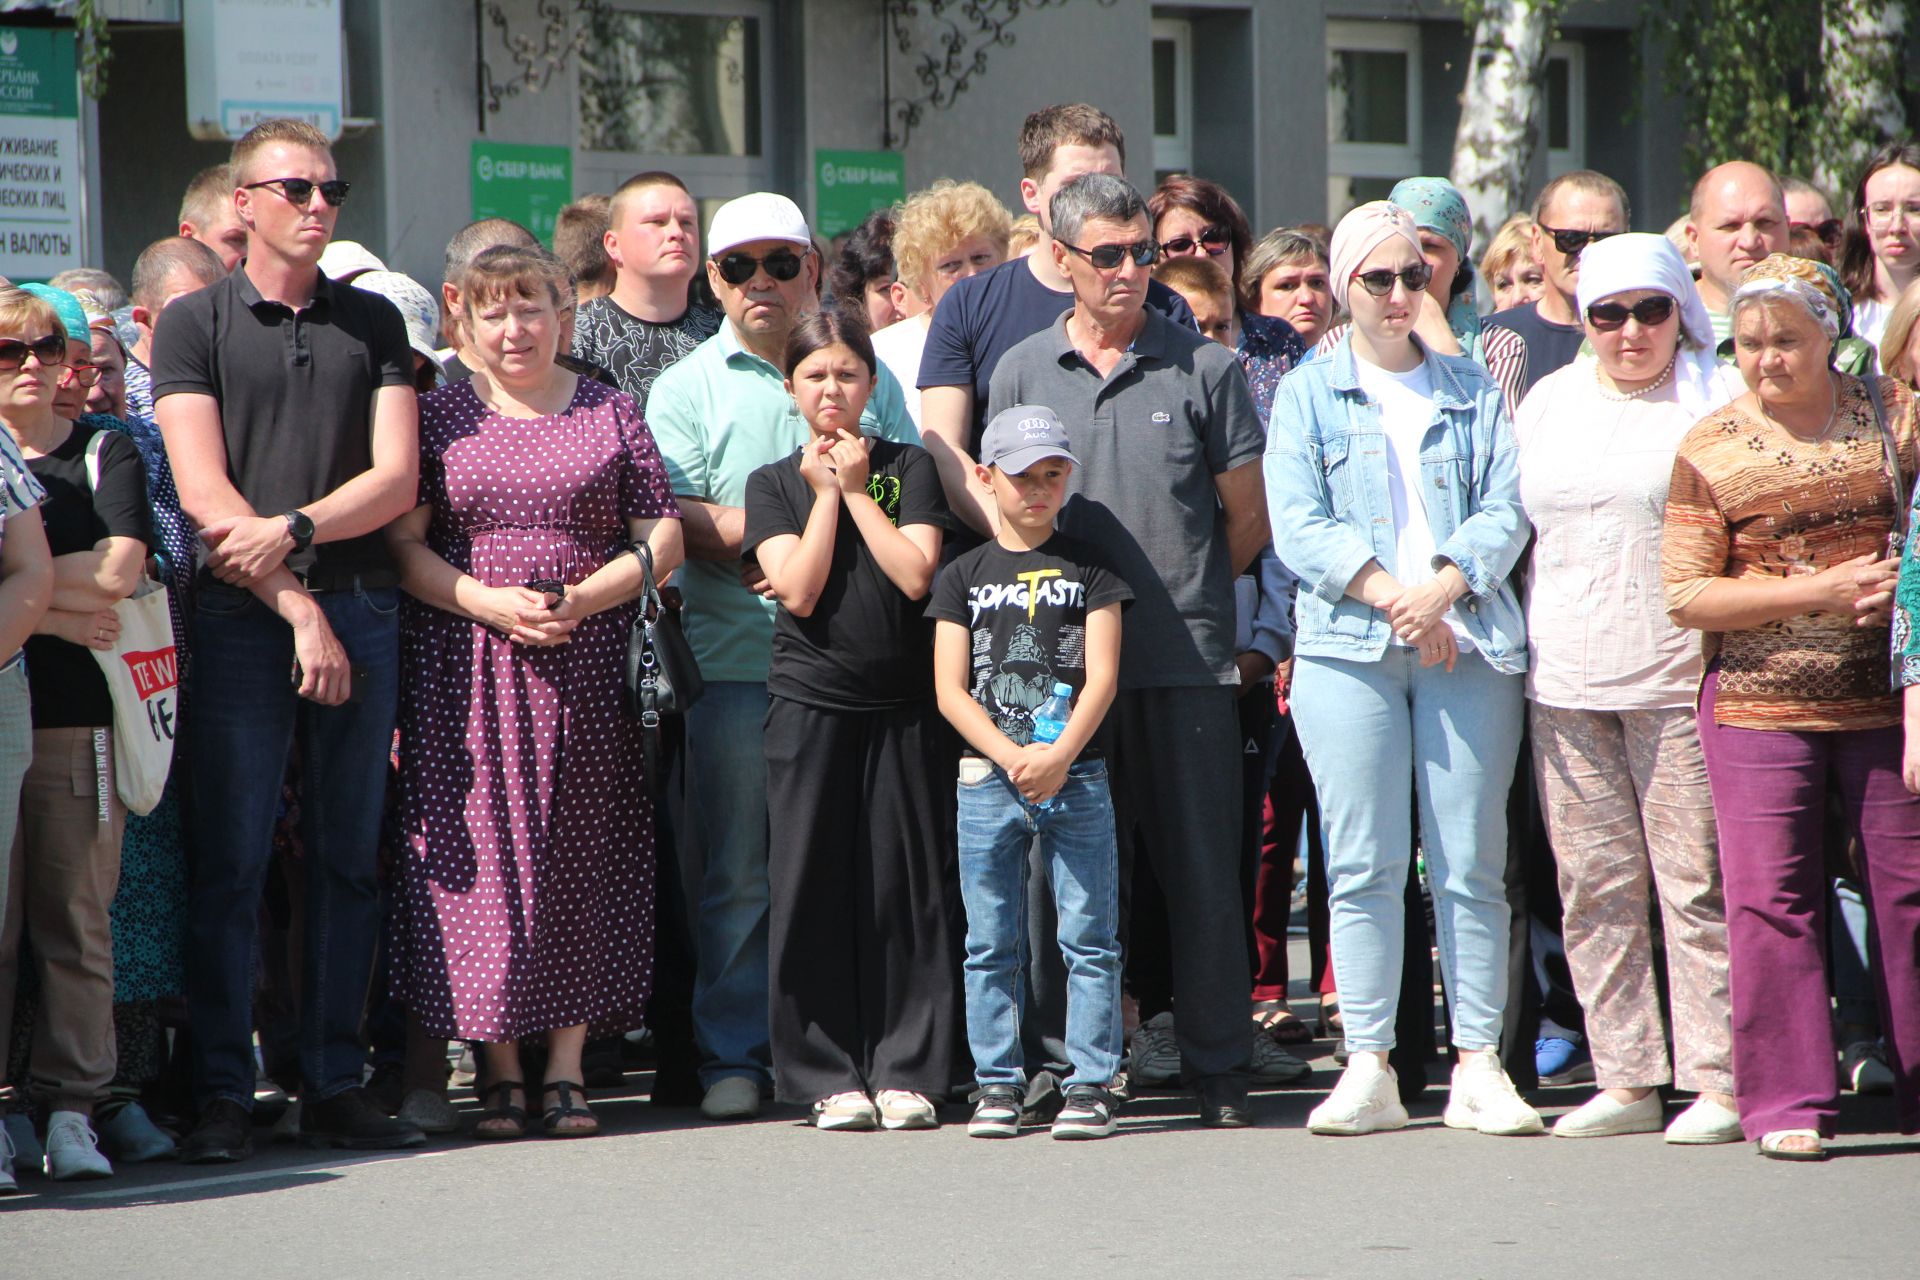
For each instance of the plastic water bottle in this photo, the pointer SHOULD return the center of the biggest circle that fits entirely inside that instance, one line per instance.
(1050, 721)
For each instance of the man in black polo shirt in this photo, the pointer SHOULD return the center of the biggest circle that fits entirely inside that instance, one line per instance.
(289, 415)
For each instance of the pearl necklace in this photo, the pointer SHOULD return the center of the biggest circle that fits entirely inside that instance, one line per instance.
(1624, 396)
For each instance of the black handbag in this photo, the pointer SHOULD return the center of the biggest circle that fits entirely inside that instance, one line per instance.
(662, 677)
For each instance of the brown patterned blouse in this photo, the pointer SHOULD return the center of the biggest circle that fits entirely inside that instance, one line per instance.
(1749, 500)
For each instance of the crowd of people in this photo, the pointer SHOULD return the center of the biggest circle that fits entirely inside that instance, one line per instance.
(1061, 596)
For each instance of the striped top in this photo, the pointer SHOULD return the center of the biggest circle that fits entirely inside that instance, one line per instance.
(1748, 500)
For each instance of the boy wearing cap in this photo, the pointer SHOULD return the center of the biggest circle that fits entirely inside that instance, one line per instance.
(1016, 617)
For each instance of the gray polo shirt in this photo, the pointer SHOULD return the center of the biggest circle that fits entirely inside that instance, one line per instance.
(1175, 413)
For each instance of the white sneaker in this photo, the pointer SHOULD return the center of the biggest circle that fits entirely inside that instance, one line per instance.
(8, 1183)
(851, 1111)
(1153, 1059)
(731, 1098)
(1705, 1124)
(72, 1149)
(1483, 1098)
(1365, 1100)
(901, 1109)
(1604, 1117)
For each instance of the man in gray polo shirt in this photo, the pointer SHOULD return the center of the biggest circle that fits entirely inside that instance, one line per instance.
(1171, 491)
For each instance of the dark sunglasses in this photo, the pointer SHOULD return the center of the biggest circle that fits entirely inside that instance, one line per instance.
(1212, 239)
(1572, 242)
(1608, 316)
(299, 191)
(1106, 257)
(1831, 232)
(738, 268)
(50, 351)
(1380, 283)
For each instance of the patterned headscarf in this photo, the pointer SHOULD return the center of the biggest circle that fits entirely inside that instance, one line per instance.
(1364, 228)
(73, 317)
(1814, 285)
(1438, 206)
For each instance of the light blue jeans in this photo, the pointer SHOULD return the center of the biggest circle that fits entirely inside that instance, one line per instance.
(1077, 844)
(1373, 733)
(727, 782)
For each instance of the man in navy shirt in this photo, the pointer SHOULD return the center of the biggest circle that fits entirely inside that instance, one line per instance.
(981, 317)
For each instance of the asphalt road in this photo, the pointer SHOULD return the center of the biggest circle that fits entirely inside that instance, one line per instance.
(661, 1193)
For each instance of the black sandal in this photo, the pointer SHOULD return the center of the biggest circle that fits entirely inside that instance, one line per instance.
(564, 1110)
(515, 1116)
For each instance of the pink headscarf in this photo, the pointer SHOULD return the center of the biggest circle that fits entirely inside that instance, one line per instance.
(1358, 234)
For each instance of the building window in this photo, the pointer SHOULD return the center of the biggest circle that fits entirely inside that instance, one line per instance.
(665, 83)
(1172, 96)
(1566, 113)
(1373, 110)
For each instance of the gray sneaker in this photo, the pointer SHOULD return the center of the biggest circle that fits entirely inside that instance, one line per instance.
(1153, 1059)
(130, 1136)
(1088, 1113)
(9, 1185)
(429, 1112)
(29, 1157)
(1274, 1065)
(73, 1151)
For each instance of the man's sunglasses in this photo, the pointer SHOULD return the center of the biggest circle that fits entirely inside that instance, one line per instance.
(1214, 240)
(1608, 316)
(1106, 257)
(1380, 283)
(1572, 242)
(738, 268)
(50, 351)
(1831, 232)
(299, 191)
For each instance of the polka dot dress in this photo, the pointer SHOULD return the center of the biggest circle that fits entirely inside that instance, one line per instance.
(528, 887)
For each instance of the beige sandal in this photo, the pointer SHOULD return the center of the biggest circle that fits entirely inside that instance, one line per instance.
(1774, 1145)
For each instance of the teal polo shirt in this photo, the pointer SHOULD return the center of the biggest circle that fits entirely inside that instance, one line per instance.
(718, 414)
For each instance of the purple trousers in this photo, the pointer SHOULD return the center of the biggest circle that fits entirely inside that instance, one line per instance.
(1770, 792)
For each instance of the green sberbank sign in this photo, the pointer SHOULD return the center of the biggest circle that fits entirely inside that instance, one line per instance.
(529, 184)
(848, 185)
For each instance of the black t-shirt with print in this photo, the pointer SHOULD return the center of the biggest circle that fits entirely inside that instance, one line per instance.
(1026, 613)
(633, 350)
(865, 645)
(67, 687)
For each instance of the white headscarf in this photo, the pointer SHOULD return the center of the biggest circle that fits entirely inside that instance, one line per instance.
(1638, 260)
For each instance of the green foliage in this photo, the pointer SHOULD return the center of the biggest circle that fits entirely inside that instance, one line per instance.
(91, 26)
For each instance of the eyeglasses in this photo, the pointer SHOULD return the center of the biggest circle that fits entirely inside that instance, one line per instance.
(299, 191)
(1831, 232)
(782, 264)
(49, 351)
(85, 375)
(1105, 257)
(1608, 316)
(1572, 242)
(1884, 212)
(1213, 240)
(1380, 283)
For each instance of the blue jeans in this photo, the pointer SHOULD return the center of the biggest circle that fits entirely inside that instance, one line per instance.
(1373, 732)
(727, 781)
(245, 717)
(1077, 841)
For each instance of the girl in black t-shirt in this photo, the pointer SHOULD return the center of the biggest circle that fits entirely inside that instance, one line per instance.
(865, 992)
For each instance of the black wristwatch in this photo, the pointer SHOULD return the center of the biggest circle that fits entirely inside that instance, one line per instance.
(300, 529)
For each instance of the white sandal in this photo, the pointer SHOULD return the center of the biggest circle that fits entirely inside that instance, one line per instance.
(1773, 1145)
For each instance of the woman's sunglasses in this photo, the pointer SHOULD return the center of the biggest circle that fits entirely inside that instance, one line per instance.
(1213, 240)
(738, 268)
(299, 191)
(50, 351)
(1608, 316)
(1380, 283)
(1106, 257)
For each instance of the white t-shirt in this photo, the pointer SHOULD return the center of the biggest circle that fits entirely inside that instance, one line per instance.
(898, 347)
(1870, 322)
(1405, 405)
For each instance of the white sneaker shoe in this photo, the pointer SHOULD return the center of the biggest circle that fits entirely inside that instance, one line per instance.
(731, 1098)
(851, 1111)
(1483, 1098)
(72, 1149)
(1153, 1059)
(1365, 1100)
(901, 1109)
(1705, 1124)
(1604, 1117)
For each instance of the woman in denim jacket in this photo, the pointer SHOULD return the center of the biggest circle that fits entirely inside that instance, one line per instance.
(1394, 492)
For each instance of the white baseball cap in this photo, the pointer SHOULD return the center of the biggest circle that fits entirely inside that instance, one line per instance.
(345, 259)
(416, 306)
(763, 215)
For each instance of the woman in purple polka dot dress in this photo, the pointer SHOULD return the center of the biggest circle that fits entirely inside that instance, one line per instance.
(528, 886)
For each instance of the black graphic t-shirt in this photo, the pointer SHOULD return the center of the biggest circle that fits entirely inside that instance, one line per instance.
(1026, 612)
(865, 645)
(633, 350)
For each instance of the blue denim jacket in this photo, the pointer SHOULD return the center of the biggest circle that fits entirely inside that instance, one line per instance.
(1326, 471)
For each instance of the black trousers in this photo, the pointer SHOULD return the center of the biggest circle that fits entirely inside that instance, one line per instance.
(864, 929)
(1177, 798)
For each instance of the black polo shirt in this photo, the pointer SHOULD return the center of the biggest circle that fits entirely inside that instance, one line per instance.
(296, 392)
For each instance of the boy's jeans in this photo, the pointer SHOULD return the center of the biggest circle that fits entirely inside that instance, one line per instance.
(1077, 841)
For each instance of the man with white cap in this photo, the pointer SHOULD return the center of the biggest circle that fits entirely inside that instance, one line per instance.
(717, 414)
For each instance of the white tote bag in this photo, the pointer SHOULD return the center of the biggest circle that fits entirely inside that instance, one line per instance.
(143, 674)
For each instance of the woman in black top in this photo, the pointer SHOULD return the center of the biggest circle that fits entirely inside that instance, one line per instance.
(865, 990)
(65, 863)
